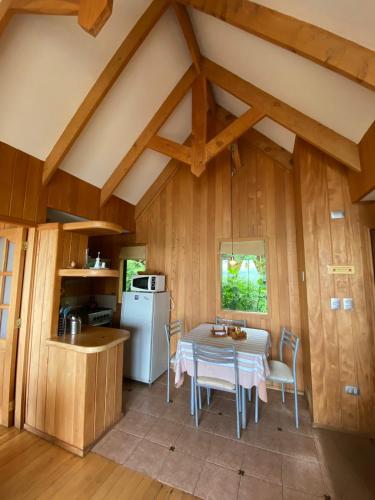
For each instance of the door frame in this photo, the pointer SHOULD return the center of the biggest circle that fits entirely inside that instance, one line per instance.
(18, 236)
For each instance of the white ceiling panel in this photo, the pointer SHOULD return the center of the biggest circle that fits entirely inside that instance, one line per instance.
(350, 19)
(48, 64)
(267, 127)
(136, 96)
(335, 101)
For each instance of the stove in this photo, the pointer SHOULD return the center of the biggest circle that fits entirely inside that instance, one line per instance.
(98, 317)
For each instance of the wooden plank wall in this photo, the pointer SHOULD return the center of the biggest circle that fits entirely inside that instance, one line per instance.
(23, 199)
(341, 342)
(362, 183)
(184, 224)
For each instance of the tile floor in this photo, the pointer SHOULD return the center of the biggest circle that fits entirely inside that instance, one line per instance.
(271, 461)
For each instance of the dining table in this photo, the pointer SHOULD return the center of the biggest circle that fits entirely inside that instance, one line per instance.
(252, 354)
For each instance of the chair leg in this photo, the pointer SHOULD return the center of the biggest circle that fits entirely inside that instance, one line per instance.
(192, 403)
(296, 405)
(283, 393)
(208, 397)
(238, 428)
(256, 404)
(196, 404)
(200, 398)
(249, 394)
(168, 382)
(243, 407)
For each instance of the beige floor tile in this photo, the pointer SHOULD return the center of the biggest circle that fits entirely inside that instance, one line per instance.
(178, 412)
(132, 400)
(252, 488)
(147, 458)
(136, 423)
(226, 426)
(287, 423)
(298, 445)
(181, 471)
(194, 442)
(224, 406)
(289, 494)
(157, 390)
(117, 446)
(264, 464)
(303, 476)
(207, 421)
(164, 432)
(217, 483)
(264, 438)
(226, 452)
(152, 406)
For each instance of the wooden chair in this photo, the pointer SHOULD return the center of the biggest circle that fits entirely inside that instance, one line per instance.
(216, 356)
(281, 373)
(172, 329)
(231, 322)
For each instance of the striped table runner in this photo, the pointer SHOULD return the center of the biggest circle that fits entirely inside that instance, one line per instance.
(252, 357)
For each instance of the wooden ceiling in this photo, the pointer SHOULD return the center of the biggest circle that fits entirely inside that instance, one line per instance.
(314, 43)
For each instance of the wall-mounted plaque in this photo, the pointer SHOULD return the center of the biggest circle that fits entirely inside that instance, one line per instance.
(340, 269)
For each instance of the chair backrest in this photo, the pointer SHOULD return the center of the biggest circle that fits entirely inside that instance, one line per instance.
(215, 356)
(174, 328)
(292, 341)
(231, 322)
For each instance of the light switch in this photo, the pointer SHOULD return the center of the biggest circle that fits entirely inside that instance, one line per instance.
(347, 303)
(335, 303)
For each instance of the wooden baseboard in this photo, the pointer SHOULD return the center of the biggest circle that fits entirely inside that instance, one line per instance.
(56, 441)
(368, 435)
(69, 447)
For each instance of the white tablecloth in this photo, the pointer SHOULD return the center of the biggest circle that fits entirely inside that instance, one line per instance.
(252, 357)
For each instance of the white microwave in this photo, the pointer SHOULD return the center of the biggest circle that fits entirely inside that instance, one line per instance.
(148, 283)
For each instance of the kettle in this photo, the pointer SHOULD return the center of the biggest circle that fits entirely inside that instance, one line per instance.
(74, 324)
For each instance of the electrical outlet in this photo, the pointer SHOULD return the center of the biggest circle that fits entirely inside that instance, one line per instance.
(352, 390)
(347, 303)
(335, 303)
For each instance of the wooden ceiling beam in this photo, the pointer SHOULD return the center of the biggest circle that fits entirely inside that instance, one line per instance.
(233, 131)
(93, 15)
(321, 46)
(6, 14)
(199, 125)
(192, 43)
(47, 7)
(151, 129)
(342, 149)
(102, 86)
(170, 148)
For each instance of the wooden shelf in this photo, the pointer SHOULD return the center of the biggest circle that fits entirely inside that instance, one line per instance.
(89, 273)
(93, 228)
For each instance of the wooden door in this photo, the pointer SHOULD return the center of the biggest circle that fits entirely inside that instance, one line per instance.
(11, 273)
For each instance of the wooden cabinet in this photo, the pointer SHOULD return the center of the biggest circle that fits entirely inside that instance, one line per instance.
(74, 385)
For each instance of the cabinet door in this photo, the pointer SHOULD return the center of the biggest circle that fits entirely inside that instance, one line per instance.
(11, 274)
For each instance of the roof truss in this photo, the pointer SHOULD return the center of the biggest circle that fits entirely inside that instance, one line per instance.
(92, 15)
(320, 136)
(321, 46)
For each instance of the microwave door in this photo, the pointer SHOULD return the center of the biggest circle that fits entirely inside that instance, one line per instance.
(141, 283)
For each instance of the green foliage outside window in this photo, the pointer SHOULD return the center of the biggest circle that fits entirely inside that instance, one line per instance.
(244, 284)
(133, 267)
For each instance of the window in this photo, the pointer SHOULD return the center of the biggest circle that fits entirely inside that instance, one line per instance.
(131, 268)
(244, 279)
(132, 261)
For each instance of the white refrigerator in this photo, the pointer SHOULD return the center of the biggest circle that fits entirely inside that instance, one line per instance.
(144, 314)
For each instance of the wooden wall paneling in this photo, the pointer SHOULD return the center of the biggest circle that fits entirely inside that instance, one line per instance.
(341, 342)
(43, 322)
(184, 223)
(23, 200)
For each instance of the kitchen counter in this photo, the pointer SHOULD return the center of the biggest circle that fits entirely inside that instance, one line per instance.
(91, 340)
